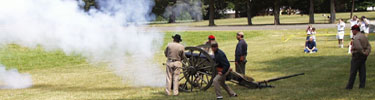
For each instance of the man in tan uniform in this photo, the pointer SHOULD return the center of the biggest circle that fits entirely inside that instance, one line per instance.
(175, 53)
(360, 50)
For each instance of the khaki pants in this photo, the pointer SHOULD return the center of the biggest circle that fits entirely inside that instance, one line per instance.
(173, 73)
(219, 80)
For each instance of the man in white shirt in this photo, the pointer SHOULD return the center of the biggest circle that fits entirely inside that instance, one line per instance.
(353, 21)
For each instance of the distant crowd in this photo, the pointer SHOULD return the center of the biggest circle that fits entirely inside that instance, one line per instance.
(359, 46)
(362, 23)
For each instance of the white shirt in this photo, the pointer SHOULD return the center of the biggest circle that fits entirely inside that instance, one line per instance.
(341, 26)
(363, 26)
(309, 31)
(353, 22)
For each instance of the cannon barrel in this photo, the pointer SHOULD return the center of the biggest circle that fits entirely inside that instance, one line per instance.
(279, 78)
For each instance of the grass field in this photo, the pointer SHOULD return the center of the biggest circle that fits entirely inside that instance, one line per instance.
(261, 20)
(270, 54)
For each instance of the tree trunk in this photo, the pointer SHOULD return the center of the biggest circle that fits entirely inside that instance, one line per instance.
(333, 12)
(248, 11)
(236, 14)
(172, 18)
(276, 12)
(212, 13)
(311, 21)
(351, 12)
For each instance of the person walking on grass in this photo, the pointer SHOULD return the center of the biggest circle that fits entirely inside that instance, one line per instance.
(223, 69)
(360, 50)
(240, 53)
(340, 33)
(174, 53)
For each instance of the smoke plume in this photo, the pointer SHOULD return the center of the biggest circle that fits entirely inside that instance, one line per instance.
(11, 79)
(113, 34)
(190, 8)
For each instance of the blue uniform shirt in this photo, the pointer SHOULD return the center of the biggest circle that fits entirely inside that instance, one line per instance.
(221, 60)
(241, 49)
(310, 44)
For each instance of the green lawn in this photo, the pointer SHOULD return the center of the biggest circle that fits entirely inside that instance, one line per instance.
(271, 53)
(284, 19)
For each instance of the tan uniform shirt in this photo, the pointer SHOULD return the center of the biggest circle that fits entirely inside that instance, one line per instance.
(175, 51)
(361, 45)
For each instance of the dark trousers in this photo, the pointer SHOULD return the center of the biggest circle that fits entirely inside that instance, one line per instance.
(358, 64)
(240, 67)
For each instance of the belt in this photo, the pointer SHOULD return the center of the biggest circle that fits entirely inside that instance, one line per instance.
(173, 60)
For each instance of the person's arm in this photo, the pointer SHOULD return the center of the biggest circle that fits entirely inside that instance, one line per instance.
(368, 50)
(225, 64)
(182, 54)
(244, 52)
(239, 51)
(166, 51)
(366, 22)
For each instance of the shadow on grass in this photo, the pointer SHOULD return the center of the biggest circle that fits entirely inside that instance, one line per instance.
(325, 76)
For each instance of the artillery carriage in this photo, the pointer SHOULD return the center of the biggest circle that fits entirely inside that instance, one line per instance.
(198, 70)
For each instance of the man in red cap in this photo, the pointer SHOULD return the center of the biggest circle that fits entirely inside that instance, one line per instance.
(211, 38)
(360, 50)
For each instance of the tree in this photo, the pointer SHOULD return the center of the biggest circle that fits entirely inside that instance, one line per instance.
(276, 12)
(248, 11)
(311, 18)
(333, 12)
(172, 16)
(212, 13)
(351, 12)
(89, 4)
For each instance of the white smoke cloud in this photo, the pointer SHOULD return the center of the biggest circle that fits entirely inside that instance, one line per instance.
(191, 7)
(12, 79)
(113, 34)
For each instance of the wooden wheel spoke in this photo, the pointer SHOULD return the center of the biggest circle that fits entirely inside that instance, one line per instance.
(207, 67)
(197, 69)
(201, 62)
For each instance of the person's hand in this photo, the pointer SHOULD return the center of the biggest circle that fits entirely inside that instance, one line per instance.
(242, 58)
(230, 69)
(366, 53)
(220, 73)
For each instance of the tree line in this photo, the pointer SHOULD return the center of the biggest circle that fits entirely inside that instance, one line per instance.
(215, 9)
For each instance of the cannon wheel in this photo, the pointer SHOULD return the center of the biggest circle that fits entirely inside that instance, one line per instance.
(198, 71)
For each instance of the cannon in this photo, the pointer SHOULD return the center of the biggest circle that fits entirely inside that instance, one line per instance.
(198, 72)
